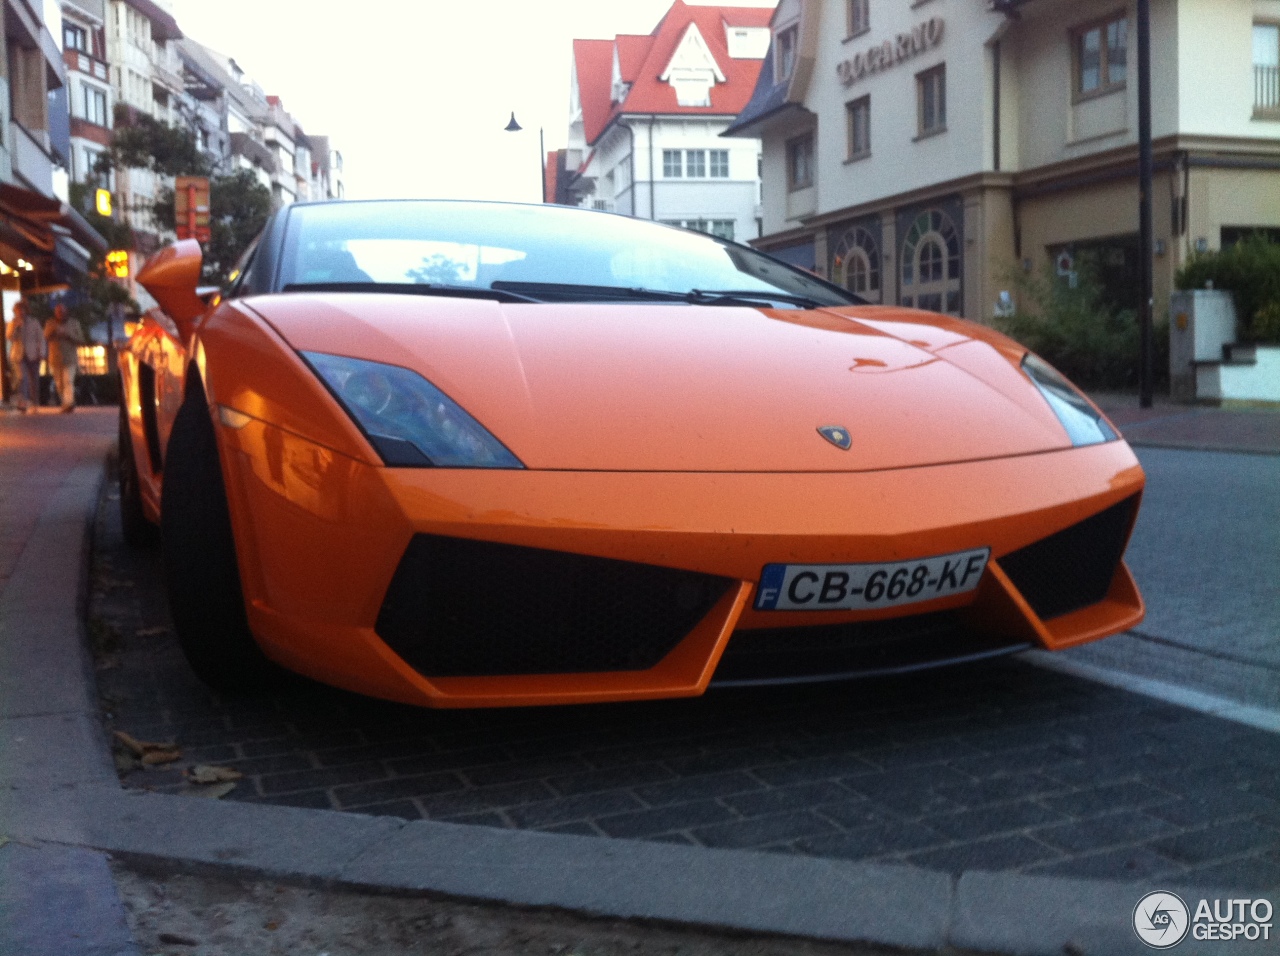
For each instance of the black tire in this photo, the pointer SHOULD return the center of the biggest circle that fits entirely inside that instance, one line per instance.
(138, 531)
(201, 573)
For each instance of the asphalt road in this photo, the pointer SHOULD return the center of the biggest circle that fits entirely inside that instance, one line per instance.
(1205, 553)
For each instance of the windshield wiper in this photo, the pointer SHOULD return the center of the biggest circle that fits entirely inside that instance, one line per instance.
(734, 296)
(411, 288)
(693, 296)
(576, 291)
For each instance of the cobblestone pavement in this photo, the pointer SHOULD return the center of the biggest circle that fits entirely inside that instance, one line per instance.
(1005, 767)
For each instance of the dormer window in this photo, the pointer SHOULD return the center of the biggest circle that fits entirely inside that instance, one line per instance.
(692, 71)
(785, 59)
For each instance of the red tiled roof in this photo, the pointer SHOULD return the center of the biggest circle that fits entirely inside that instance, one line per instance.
(632, 51)
(642, 61)
(593, 62)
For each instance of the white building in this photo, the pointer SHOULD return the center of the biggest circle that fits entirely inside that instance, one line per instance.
(90, 96)
(646, 114)
(920, 152)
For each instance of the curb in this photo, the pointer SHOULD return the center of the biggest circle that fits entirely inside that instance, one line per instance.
(62, 791)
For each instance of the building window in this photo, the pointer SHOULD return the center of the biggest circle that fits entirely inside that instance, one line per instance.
(800, 162)
(715, 227)
(719, 164)
(695, 163)
(95, 106)
(931, 264)
(1266, 68)
(785, 64)
(1102, 58)
(859, 17)
(75, 38)
(602, 205)
(671, 164)
(858, 117)
(856, 265)
(931, 100)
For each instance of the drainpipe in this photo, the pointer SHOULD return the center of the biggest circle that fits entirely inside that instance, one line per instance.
(652, 214)
(995, 107)
(631, 160)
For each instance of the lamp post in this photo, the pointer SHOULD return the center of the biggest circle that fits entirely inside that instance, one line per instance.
(1146, 340)
(514, 127)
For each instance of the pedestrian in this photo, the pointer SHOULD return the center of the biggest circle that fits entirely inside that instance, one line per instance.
(63, 336)
(26, 349)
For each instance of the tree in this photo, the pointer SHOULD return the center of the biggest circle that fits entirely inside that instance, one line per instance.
(239, 206)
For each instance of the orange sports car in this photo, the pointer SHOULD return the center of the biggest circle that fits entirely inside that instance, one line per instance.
(474, 454)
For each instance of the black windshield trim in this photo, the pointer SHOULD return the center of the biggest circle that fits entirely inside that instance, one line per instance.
(410, 288)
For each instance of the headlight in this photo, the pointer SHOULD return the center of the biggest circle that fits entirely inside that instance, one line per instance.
(407, 419)
(1084, 425)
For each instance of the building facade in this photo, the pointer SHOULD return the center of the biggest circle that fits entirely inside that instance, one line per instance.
(921, 153)
(646, 117)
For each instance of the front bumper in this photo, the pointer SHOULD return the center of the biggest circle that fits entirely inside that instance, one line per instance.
(321, 538)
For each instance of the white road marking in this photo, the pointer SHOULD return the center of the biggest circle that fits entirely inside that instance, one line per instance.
(1259, 717)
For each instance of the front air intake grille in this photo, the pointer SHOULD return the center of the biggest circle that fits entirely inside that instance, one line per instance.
(1073, 568)
(458, 607)
(861, 648)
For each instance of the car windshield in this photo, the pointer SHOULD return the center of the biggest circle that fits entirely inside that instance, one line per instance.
(531, 253)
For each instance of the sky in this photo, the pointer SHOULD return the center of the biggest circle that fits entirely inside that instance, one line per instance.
(415, 93)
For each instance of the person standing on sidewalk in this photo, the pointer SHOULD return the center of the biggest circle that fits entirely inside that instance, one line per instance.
(26, 349)
(63, 336)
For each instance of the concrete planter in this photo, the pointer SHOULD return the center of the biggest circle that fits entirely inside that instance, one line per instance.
(1240, 380)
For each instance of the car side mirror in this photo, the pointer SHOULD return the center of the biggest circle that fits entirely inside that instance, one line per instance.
(172, 276)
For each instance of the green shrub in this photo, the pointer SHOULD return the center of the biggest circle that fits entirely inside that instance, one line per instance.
(1251, 270)
(1089, 340)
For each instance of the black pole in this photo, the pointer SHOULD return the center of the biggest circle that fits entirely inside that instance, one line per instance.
(542, 163)
(1146, 241)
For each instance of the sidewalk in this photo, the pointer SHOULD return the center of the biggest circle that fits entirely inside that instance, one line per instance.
(1192, 427)
(62, 807)
(56, 899)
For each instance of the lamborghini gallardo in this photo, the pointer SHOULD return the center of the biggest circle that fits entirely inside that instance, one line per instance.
(465, 454)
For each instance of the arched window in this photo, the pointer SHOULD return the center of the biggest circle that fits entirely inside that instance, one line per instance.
(857, 263)
(931, 265)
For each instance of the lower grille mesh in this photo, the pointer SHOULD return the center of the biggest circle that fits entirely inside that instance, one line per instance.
(1073, 568)
(858, 648)
(458, 607)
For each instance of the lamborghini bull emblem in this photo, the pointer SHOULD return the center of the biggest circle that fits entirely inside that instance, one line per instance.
(838, 436)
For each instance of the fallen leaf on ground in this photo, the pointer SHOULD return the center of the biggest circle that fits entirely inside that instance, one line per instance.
(130, 742)
(125, 763)
(205, 773)
(153, 757)
(149, 753)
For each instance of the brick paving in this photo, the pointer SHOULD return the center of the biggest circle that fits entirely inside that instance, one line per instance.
(1005, 767)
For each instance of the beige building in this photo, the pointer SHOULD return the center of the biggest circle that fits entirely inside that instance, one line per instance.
(920, 152)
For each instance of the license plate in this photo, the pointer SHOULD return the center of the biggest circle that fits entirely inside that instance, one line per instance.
(861, 587)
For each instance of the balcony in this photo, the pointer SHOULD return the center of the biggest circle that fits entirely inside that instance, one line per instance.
(1266, 92)
(84, 63)
(32, 163)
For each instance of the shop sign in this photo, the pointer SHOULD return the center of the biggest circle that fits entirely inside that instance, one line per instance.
(919, 39)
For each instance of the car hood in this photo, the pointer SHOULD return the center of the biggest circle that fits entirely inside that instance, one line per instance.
(657, 387)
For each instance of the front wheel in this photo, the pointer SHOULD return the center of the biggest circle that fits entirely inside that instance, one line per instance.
(202, 576)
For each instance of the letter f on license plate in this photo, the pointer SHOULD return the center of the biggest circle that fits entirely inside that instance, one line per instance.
(857, 587)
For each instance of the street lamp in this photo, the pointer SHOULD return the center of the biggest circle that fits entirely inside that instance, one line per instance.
(514, 127)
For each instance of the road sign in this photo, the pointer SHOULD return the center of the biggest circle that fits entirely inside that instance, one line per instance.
(191, 207)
